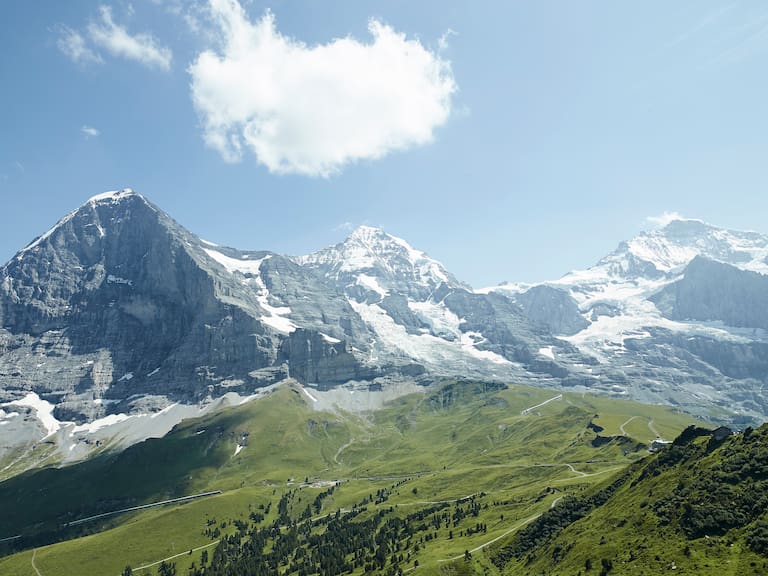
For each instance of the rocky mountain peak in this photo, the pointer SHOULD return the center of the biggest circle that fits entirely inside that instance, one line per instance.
(367, 234)
(671, 248)
(119, 301)
(114, 196)
(381, 263)
(664, 253)
(90, 221)
(114, 239)
(686, 228)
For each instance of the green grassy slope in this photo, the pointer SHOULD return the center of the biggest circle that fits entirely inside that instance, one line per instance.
(461, 440)
(196, 456)
(699, 507)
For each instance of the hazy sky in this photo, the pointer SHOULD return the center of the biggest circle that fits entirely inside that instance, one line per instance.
(510, 140)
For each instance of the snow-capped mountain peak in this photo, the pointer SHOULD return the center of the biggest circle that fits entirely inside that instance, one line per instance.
(377, 246)
(664, 253)
(670, 247)
(88, 212)
(381, 262)
(113, 196)
(367, 233)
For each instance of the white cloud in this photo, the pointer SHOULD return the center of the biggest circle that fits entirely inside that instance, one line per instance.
(343, 227)
(74, 46)
(442, 42)
(192, 13)
(116, 40)
(663, 219)
(89, 131)
(314, 109)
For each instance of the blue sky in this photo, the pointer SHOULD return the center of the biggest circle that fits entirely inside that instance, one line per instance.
(510, 140)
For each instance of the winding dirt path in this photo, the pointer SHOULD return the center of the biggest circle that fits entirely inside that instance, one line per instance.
(174, 556)
(340, 450)
(528, 410)
(572, 469)
(34, 566)
(515, 527)
(621, 428)
(653, 430)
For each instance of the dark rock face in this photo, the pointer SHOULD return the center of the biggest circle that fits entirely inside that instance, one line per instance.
(396, 306)
(498, 320)
(552, 309)
(314, 302)
(313, 359)
(714, 291)
(737, 360)
(117, 301)
(501, 327)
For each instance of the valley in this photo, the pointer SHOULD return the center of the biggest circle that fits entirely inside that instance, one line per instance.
(506, 453)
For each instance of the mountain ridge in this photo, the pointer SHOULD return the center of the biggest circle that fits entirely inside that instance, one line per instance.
(119, 310)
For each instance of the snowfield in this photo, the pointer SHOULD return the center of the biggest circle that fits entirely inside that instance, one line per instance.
(425, 347)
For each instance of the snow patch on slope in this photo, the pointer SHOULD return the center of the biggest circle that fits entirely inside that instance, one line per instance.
(98, 424)
(444, 321)
(427, 266)
(547, 351)
(441, 320)
(43, 411)
(236, 264)
(277, 319)
(635, 315)
(329, 339)
(424, 347)
(372, 284)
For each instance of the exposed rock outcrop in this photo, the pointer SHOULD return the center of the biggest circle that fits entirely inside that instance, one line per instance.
(552, 309)
(715, 291)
